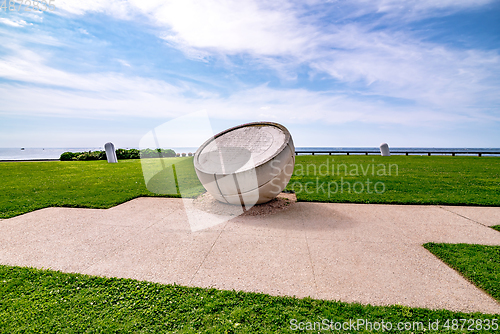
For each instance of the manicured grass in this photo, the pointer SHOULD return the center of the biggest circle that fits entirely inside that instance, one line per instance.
(45, 301)
(403, 179)
(28, 186)
(479, 263)
(34, 300)
(497, 227)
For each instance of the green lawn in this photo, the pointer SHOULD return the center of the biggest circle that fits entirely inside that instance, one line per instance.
(43, 301)
(478, 263)
(497, 227)
(403, 179)
(46, 301)
(28, 186)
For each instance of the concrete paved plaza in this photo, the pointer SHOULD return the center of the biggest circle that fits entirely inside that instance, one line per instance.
(371, 254)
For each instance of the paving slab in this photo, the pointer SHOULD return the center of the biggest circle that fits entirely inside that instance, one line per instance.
(289, 223)
(347, 222)
(274, 265)
(371, 254)
(157, 255)
(381, 274)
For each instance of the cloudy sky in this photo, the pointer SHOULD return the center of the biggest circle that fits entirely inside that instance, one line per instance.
(336, 73)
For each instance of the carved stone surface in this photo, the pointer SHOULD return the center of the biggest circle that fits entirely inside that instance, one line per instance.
(248, 164)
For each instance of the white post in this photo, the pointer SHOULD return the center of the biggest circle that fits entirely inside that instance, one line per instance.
(110, 152)
(384, 150)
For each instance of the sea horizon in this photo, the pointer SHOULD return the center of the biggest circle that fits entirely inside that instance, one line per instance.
(30, 153)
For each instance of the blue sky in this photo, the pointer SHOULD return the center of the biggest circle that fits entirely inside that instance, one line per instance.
(335, 73)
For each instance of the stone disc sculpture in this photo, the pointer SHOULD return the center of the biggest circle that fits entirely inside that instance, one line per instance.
(247, 164)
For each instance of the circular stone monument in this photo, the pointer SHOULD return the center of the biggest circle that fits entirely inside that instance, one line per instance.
(247, 164)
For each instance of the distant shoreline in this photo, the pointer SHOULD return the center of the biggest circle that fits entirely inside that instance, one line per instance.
(30, 160)
(53, 154)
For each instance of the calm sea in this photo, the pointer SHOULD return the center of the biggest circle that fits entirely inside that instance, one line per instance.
(417, 150)
(55, 153)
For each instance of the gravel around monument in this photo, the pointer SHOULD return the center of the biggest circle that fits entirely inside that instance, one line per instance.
(208, 203)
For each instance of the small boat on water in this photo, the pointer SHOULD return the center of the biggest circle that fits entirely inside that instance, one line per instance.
(22, 148)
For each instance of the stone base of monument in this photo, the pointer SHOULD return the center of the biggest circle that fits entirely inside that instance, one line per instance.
(206, 202)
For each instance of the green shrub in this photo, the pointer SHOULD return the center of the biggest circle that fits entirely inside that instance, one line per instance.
(120, 154)
(68, 156)
(127, 154)
(167, 153)
(148, 153)
(96, 155)
(159, 152)
(134, 154)
(81, 157)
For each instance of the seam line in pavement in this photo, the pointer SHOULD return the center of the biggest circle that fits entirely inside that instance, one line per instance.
(206, 255)
(310, 259)
(472, 220)
(312, 268)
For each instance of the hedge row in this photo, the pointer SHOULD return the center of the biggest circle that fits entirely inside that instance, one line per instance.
(120, 154)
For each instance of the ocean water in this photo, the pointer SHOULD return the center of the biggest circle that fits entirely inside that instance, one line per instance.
(414, 150)
(55, 153)
(40, 153)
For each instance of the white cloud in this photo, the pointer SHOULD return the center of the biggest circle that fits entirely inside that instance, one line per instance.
(397, 10)
(427, 7)
(296, 106)
(225, 26)
(231, 27)
(284, 34)
(58, 93)
(30, 67)
(123, 62)
(117, 8)
(280, 34)
(436, 83)
(257, 27)
(433, 83)
(399, 66)
(14, 23)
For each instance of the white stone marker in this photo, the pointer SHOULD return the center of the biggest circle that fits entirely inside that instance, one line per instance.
(110, 152)
(384, 150)
(247, 164)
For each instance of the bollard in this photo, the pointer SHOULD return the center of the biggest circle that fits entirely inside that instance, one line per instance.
(384, 150)
(110, 153)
